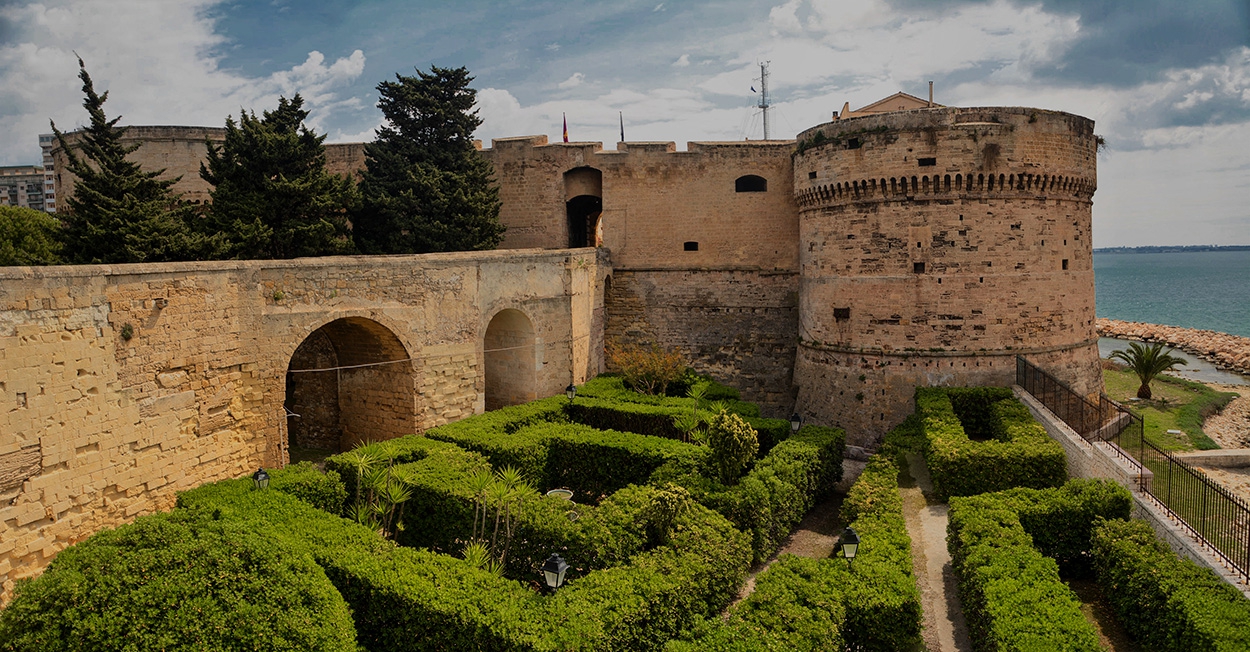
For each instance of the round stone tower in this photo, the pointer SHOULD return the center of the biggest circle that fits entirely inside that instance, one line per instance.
(935, 246)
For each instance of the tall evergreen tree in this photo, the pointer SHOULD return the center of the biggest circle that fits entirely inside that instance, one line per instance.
(118, 212)
(425, 187)
(272, 196)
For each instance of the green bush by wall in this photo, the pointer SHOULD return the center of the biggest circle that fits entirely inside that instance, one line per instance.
(178, 581)
(1167, 603)
(1016, 451)
(1012, 595)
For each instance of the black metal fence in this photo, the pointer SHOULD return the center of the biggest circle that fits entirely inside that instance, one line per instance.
(1210, 512)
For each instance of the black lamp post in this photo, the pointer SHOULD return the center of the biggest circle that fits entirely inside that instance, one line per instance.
(850, 544)
(553, 572)
(260, 479)
(796, 422)
(570, 392)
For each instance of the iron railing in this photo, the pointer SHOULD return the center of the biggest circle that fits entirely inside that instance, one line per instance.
(1211, 513)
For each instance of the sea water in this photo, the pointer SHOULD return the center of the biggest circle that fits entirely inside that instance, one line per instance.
(1207, 290)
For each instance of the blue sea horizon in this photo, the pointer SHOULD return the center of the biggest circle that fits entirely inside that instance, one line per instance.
(1207, 290)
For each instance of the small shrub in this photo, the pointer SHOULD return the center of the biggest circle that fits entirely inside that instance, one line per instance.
(733, 446)
(649, 370)
(324, 491)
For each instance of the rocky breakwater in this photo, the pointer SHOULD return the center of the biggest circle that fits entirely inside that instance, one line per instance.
(1229, 352)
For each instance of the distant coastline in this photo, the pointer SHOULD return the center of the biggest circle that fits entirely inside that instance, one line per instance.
(1228, 352)
(1169, 249)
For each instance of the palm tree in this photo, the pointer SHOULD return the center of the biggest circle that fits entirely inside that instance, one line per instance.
(1147, 361)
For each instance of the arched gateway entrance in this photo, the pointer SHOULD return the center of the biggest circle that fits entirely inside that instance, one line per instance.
(350, 380)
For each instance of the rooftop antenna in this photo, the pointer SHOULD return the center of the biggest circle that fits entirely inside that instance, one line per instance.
(764, 94)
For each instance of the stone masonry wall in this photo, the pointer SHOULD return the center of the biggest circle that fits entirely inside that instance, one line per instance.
(97, 428)
(737, 326)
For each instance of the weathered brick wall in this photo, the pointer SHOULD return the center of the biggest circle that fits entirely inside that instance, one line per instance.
(97, 429)
(935, 245)
(738, 326)
(179, 151)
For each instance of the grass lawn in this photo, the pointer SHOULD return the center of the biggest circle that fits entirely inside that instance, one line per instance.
(1177, 405)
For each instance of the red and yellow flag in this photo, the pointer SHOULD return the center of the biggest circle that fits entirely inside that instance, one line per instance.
(566, 127)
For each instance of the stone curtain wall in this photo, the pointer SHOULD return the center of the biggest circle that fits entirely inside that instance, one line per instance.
(934, 246)
(697, 265)
(97, 429)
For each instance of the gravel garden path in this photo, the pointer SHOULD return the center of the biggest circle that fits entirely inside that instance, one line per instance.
(944, 627)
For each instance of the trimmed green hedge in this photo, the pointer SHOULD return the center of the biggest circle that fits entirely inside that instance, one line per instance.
(1012, 595)
(784, 485)
(179, 581)
(824, 604)
(324, 491)
(1015, 452)
(1164, 602)
(407, 599)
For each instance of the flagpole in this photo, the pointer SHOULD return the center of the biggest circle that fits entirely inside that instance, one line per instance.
(621, 114)
(566, 126)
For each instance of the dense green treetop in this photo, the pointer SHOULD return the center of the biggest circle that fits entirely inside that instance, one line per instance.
(426, 188)
(272, 196)
(28, 237)
(119, 213)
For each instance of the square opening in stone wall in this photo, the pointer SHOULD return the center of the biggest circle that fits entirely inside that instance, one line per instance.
(853, 143)
(811, 175)
(927, 161)
(917, 268)
(691, 246)
(1065, 263)
(21, 399)
(841, 314)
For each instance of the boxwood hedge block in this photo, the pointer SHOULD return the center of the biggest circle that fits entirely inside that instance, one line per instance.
(775, 495)
(824, 604)
(1012, 595)
(179, 581)
(1167, 603)
(1014, 450)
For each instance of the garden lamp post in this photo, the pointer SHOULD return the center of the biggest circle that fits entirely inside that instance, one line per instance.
(553, 572)
(850, 544)
(796, 422)
(260, 479)
(570, 392)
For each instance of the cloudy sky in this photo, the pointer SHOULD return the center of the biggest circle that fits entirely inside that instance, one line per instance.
(1168, 82)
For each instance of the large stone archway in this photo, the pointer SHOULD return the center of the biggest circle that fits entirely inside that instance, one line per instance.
(511, 360)
(350, 380)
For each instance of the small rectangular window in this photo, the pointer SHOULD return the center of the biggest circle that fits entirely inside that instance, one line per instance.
(853, 143)
(691, 246)
(841, 314)
(927, 162)
(917, 268)
(811, 175)
(1065, 263)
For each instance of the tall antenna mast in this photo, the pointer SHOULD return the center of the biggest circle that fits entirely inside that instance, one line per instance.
(764, 94)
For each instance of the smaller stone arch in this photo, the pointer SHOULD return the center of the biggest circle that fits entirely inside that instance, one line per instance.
(510, 358)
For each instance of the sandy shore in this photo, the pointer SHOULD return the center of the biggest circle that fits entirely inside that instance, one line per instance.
(1229, 352)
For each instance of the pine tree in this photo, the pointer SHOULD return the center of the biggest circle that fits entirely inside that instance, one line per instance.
(118, 212)
(272, 196)
(425, 187)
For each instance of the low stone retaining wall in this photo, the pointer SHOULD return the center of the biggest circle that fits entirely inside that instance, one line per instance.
(1230, 352)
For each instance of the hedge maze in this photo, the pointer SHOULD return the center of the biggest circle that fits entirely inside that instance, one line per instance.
(658, 544)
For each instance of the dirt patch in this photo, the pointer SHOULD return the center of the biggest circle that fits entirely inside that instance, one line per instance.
(1096, 609)
(1231, 427)
(815, 537)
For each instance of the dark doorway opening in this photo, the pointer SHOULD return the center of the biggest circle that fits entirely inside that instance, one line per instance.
(583, 212)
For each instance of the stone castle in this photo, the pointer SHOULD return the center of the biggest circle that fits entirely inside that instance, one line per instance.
(830, 275)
